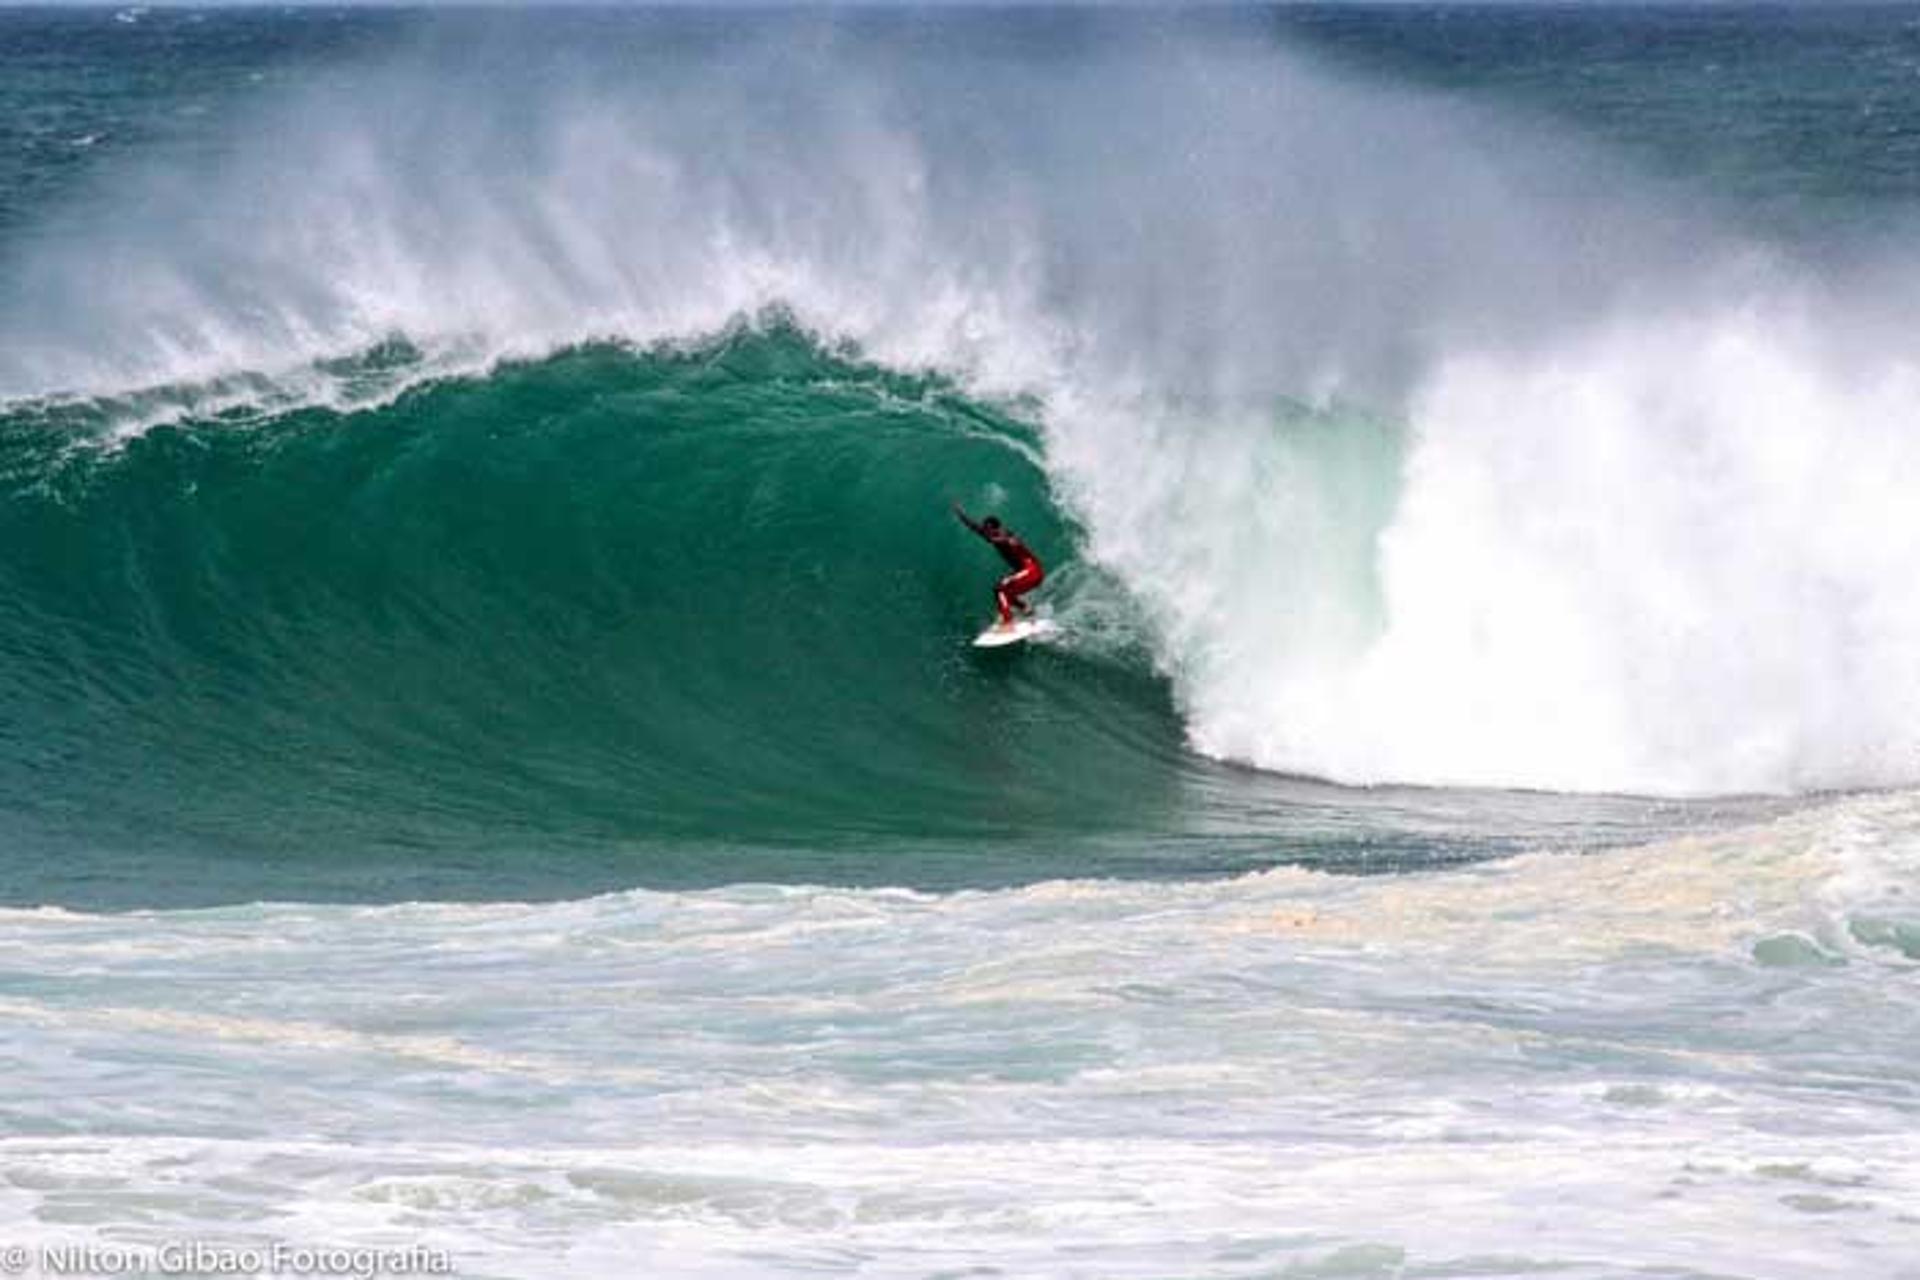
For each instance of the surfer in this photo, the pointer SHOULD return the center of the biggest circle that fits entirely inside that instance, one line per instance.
(1027, 573)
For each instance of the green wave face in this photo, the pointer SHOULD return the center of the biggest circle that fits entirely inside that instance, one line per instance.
(687, 616)
(713, 596)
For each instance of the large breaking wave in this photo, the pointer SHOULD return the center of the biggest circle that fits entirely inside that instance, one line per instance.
(1427, 446)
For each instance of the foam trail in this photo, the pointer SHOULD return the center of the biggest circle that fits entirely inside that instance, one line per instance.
(1690, 1057)
(1439, 447)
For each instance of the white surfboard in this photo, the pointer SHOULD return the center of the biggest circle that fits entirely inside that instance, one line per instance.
(1019, 629)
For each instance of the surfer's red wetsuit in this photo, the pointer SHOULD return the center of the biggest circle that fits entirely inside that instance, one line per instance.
(1027, 573)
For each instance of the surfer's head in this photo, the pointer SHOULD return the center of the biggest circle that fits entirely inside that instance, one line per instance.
(992, 524)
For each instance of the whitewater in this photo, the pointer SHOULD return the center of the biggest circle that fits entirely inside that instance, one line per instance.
(1685, 1059)
(489, 756)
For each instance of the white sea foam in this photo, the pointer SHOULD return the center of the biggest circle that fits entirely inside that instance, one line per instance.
(1586, 1065)
(1668, 556)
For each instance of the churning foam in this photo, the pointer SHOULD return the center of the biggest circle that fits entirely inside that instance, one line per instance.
(1670, 555)
(1693, 1056)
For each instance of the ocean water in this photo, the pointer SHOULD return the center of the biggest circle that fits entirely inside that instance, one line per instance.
(490, 759)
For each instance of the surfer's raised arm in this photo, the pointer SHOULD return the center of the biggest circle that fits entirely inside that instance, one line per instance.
(967, 520)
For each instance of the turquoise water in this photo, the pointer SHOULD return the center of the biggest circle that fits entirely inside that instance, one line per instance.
(490, 755)
(606, 618)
